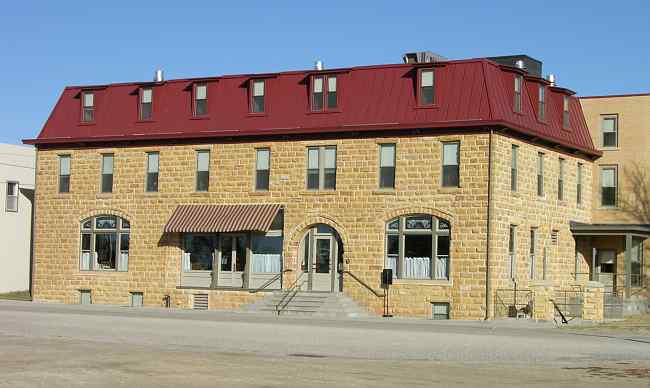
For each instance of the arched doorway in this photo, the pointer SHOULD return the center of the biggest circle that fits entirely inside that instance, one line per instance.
(321, 251)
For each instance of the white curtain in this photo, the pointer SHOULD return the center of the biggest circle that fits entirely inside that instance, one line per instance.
(392, 264)
(85, 261)
(187, 266)
(417, 267)
(266, 263)
(441, 266)
(123, 262)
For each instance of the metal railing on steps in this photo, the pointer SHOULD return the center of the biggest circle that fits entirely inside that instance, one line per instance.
(364, 284)
(289, 294)
(270, 281)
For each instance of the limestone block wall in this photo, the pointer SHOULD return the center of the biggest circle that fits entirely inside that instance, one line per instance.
(526, 210)
(358, 210)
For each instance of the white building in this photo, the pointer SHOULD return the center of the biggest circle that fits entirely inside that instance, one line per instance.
(17, 193)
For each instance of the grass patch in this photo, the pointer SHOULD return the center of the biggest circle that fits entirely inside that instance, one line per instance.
(16, 295)
(639, 324)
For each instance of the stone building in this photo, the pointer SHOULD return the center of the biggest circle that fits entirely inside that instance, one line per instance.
(463, 177)
(619, 127)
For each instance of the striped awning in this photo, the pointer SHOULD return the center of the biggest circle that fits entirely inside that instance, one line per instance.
(222, 218)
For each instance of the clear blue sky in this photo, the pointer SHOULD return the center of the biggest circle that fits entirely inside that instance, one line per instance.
(594, 47)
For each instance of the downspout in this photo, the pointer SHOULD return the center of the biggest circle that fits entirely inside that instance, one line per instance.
(488, 281)
(32, 248)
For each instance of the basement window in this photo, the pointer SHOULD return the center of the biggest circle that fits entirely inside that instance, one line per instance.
(85, 297)
(137, 299)
(439, 311)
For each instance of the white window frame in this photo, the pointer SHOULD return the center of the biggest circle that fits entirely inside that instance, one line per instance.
(16, 197)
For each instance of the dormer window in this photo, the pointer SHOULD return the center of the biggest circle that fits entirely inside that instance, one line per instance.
(541, 103)
(146, 103)
(257, 96)
(88, 105)
(565, 112)
(200, 100)
(519, 81)
(323, 94)
(426, 87)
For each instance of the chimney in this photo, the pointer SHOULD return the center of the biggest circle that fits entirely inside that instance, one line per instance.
(551, 79)
(519, 64)
(159, 77)
(318, 65)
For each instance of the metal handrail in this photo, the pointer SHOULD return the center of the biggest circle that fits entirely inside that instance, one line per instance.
(290, 293)
(270, 281)
(355, 277)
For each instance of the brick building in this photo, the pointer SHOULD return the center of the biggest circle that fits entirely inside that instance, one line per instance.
(464, 177)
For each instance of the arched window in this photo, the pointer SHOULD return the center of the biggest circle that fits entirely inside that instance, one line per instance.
(105, 243)
(417, 247)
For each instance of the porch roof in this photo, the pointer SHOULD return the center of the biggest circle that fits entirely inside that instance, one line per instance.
(583, 229)
(222, 218)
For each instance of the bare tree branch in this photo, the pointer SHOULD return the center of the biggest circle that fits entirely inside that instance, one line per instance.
(637, 201)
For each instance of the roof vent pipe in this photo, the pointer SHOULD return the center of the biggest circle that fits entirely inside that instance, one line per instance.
(519, 64)
(551, 79)
(318, 65)
(158, 77)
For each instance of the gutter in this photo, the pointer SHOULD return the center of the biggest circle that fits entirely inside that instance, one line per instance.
(488, 280)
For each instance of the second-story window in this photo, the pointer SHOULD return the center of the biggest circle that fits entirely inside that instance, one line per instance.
(202, 170)
(579, 185)
(257, 96)
(540, 174)
(450, 164)
(426, 94)
(64, 174)
(513, 168)
(153, 166)
(88, 102)
(262, 169)
(608, 186)
(317, 94)
(609, 126)
(565, 112)
(519, 81)
(12, 197)
(321, 168)
(560, 180)
(200, 100)
(541, 103)
(107, 173)
(387, 166)
(146, 103)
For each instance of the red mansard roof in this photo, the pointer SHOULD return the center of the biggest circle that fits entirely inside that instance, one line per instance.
(468, 94)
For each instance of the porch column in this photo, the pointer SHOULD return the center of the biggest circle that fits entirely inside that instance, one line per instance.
(628, 264)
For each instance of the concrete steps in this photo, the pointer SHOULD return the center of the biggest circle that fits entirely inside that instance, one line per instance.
(316, 304)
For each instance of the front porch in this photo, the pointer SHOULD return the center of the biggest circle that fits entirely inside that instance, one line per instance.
(611, 254)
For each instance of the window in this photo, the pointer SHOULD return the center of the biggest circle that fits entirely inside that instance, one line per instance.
(387, 166)
(202, 170)
(540, 174)
(323, 95)
(146, 103)
(439, 310)
(418, 246)
(85, 297)
(608, 180)
(541, 103)
(107, 173)
(262, 169)
(64, 173)
(579, 185)
(609, 126)
(519, 80)
(105, 241)
(636, 264)
(450, 164)
(321, 168)
(513, 168)
(12, 197)
(257, 96)
(200, 100)
(426, 87)
(153, 160)
(88, 107)
(512, 252)
(533, 252)
(554, 236)
(266, 253)
(137, 299)
(560, 180)
(198, 252)
(565, 112)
